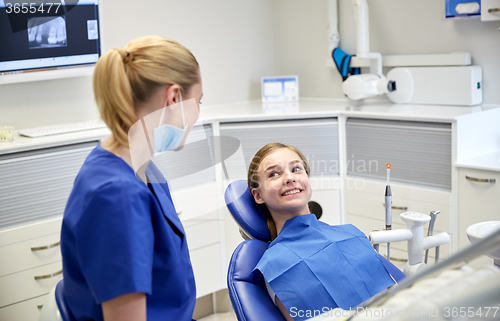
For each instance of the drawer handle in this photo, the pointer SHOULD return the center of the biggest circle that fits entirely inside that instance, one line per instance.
(40, 306)
(402, 208)
(481, 180)
(46, 247)
(47, 276)
(494, 10)
(179, 213)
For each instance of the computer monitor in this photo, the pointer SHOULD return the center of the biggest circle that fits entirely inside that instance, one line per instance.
(42, 40)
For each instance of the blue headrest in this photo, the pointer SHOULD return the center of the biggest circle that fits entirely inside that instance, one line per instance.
(248, 214)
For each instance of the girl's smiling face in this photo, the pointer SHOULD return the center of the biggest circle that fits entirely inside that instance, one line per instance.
(283, 184)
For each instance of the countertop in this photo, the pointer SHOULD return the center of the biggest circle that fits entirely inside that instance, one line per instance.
(490, 162)
(309, 107)
(256, 110)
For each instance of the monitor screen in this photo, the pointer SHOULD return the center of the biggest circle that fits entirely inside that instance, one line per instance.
(281, 88)
(44, 40)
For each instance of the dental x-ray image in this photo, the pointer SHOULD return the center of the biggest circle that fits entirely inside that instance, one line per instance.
(47, 32)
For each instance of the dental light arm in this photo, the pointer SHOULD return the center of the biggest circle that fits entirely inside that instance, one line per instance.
(363, 37)
(367, 85)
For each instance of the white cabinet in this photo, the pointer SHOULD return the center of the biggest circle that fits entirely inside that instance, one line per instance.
(203, 234)
(28, 310)
(30, 266)
(34, 189)
(478, 201)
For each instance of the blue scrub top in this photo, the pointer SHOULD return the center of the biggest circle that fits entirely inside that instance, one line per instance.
(120, 236)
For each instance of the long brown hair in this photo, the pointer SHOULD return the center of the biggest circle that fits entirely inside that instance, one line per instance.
(125, 78)
(253, 176)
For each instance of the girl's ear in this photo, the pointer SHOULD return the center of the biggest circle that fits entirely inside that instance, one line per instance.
(257, 197)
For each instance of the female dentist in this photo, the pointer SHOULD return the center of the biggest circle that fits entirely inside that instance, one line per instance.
(124, 250)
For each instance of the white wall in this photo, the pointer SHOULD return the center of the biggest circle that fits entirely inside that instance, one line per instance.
(232, 40)
(237, 42)
(396, 27)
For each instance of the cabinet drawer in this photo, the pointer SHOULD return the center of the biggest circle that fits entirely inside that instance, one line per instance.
(202, 231)
(24, 311)
(195, 201)
(21, 286)
(477, 201)
(30, 231)
(207, 269)
(29, 254)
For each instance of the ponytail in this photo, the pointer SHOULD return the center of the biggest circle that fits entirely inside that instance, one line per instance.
(113, 95)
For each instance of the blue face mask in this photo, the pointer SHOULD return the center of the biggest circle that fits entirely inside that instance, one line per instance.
(168, 137)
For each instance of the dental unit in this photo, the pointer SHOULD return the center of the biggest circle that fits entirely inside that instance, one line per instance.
(414, 234)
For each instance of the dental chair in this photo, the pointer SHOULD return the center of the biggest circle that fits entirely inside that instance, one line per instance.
(55, 308)
(247, 289)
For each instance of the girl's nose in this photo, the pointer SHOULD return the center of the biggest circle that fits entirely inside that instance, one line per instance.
(288, 177)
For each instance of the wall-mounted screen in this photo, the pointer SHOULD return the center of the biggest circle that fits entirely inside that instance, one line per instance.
(44, 40)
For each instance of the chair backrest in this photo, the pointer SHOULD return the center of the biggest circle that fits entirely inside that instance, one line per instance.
(247, 290)
(248, 214)
(61, 303)
(55, 308)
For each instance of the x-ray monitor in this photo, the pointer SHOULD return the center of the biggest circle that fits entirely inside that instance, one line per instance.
(43, 40)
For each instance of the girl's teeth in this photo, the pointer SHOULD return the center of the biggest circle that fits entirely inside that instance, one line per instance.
(292, 192)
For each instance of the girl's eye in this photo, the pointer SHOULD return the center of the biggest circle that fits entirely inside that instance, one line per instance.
(273, 174)
(296, 169)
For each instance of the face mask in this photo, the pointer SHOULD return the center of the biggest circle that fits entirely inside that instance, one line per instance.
(168, 137)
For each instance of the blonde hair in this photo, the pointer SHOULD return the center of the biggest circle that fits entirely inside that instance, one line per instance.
(124, 78)
(253, 176)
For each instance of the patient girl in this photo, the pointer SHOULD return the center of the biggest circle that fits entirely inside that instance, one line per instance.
(310, 267)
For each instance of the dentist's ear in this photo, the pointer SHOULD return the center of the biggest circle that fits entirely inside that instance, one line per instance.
(172, 94)
(256, 196)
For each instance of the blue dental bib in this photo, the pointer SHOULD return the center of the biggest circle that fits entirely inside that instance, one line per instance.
(312, 266)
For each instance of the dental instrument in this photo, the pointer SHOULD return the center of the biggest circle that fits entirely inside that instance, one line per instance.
(388, 205)
(430, 231)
